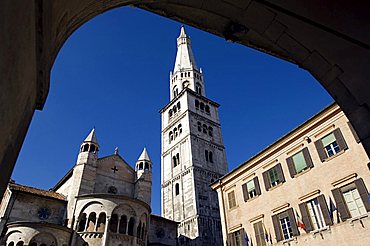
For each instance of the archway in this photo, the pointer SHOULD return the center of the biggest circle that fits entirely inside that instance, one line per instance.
(299, 33)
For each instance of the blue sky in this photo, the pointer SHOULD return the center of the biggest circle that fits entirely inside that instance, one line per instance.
(113, 73)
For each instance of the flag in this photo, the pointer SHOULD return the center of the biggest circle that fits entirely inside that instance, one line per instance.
(300, 223)
(265, 232)
(246, 239)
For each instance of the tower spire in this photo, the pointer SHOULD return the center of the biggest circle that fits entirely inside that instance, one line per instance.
(184, 57)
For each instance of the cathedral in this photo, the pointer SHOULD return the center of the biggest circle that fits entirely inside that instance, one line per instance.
(193, 153)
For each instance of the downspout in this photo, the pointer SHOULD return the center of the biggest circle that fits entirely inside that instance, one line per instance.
(223, 208)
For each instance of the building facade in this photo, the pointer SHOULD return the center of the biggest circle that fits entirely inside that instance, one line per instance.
(193, 153)
(100, 201)
(307, 188)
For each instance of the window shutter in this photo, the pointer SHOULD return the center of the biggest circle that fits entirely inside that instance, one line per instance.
(320, 150)
(242, 236)
(307, 157)
(229, 239)
(360, 185)
(354, 133)
(276, 223)
(257, 233)
(325, 210)
(341, 204)
(340, 140)
(257, 186)
(305, 217)
(266, 180)
(245, 192)
(293, 222)
(291, 167)
(280, 173)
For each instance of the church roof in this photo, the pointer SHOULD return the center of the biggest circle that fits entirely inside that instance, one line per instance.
(91, 137)
(184, 57)
(144, 156)
(36, 191)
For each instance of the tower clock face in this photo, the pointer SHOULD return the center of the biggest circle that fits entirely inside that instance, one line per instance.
(43, 213)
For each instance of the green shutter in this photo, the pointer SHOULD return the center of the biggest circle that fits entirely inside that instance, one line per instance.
(245, 192)
(293, 222)
(266, 180)
(276, 223)
(305, 216)
(360, 185)
(340, 140)
(307, 157)
(257, 186)
(280, 173)
(341, 204)
(291, 167)
(325, 210)
(320, 150)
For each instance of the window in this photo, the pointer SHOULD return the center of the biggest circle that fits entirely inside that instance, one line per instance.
(170, 136)
(299, 162)
(201, 106)
(330, 145)
(352, 200)
(123, 224)
(174, 109)
(196, 104)
(174, 161)
(177, 189)
(231, 199)
(178, 105)
(113, 223)
(284, 225)
(260, 233)
(131, 224)
(170, 113)
(236, 238)
(205, 129)
(198, 89)
(199, 126)
(210, 157)
(207, 109)
(180, 128)
(273, 177)
(175, 132)
(315, 214)
(210, 131)
(175, 91)
(251, 189)
(206, 154)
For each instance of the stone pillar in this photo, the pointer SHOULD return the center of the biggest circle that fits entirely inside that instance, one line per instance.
(105, 237)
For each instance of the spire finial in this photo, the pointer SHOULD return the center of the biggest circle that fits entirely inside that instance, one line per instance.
(116, 151)
(91, 137)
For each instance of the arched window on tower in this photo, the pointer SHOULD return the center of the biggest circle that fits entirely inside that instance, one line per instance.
(199, 126)
(175, 132)
(123, 224)
(196, 104)
(177, 189)
(202, 106)
(198, 89)
(175, 91)
(178, 158)
(140, 166)
(146, 167)
(210, 157)
(113, 223)
(180, 128)
(207, 109)
(174, 161)
(170, 113)
(131, 225)
(174, 109)
(210, 131)
(178, 105)
(86, 148)
(138, 230)
(170, 136)
(205, 128)
(92, 148)
(206, 154)
(20, 243)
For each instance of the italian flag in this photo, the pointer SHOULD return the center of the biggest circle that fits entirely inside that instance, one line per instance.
(300, 223)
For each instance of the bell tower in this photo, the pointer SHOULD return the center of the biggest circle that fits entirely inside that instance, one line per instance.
(193, 153)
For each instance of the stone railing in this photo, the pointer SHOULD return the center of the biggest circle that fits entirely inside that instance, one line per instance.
(92, 234)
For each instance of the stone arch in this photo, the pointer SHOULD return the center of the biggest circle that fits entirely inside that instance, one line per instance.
(87, 219)
(288, 31)
(14, 237)
(44, 238)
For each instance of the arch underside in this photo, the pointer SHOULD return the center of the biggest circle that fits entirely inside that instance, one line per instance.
(330, 40)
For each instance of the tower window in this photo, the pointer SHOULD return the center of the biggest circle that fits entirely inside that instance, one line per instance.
(198, 89)
(201, 106)
(210, 131)
(182, 75)
(175, 91)
(207, 109)
(174, 109)
(170, 113)
(178, 105)
(177, 189)
(174, 160)
(170, 136)
(199, 126)
(86, 148)
(175, 132)
(180, 128)
(206, 154)
(205, 128)
(210, 157)
(140, 166)
(196, 104)
(92, 148)
(146, 166)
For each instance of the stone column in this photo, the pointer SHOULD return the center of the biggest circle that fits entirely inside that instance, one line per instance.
(105, 236)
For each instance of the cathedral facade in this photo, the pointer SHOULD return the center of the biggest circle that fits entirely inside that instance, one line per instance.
(193, 153)
(100, 201)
